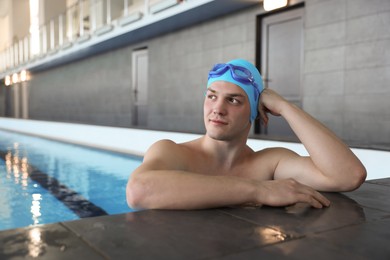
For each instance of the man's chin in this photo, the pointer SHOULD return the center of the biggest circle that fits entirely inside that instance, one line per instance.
(218, 136)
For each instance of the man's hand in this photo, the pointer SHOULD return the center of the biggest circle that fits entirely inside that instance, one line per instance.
(286, 192)
(270, 102)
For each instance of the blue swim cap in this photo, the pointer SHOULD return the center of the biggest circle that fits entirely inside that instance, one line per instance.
(247, 83)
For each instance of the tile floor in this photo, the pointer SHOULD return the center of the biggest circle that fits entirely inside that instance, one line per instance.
(356, 226)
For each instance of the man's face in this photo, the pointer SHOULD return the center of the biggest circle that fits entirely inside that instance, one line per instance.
(226, 111)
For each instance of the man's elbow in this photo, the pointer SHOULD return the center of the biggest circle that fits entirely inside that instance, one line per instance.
(359, 175)
(134, 194)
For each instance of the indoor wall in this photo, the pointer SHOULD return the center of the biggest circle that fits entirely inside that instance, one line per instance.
(345, 76)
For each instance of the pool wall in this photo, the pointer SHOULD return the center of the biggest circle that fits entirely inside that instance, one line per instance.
(137, 141)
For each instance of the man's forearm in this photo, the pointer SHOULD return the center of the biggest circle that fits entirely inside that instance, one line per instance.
(330, 155)
(184, 190)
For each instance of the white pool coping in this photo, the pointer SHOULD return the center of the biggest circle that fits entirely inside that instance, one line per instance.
(137, 141)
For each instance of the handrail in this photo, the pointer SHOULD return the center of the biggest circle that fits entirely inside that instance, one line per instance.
(77, 23)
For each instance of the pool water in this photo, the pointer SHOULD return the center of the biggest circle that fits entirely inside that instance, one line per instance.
(44, 181)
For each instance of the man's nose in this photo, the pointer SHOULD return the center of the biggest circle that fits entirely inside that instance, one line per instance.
(219, 107)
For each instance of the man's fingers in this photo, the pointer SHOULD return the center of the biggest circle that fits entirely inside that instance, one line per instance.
(306, 198)
(318, 196)
(314, 198)
(323, 200)
(263, 114)
(288, 192)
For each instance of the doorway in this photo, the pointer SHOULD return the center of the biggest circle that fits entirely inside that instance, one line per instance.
(16, 100)
(140, 87)
(280, 55)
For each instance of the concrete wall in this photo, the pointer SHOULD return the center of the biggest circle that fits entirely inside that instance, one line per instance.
(346, 73)
(347, 67)
(93, 91)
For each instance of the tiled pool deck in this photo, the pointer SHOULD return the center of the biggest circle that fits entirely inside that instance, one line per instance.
(355, 226)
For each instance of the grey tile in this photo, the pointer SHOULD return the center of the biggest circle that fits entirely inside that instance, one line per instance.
(367, 54)
(300, 220)
(328, 109)
(51, 241)
(370, 127)
(173, 234)
(384, 181)
(324, 12)
(357, 8)
(324, 84)
(368, 28)
(325, 36)
(365, 241)
(296, 249)
(324, 60)
(372, 196)
(234, 34)
(366, 81)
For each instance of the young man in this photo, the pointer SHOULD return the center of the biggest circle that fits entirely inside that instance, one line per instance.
(219, 169)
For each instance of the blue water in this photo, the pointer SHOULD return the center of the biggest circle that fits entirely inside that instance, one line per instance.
(97, 176)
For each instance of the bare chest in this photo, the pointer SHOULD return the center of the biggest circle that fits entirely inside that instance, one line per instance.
(252, 169)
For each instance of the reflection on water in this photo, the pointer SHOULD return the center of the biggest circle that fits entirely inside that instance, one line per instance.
(36, 208)
(18, 169)
(24, 168)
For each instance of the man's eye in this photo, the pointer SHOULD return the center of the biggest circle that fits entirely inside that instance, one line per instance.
(211, 97)
(234, 101)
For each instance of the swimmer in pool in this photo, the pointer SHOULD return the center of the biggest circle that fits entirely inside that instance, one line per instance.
(220, 169)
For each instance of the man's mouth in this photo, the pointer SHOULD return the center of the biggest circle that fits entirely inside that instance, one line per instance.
(218, 122)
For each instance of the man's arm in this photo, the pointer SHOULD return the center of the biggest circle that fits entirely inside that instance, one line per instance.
(162, 182)
(331, 166)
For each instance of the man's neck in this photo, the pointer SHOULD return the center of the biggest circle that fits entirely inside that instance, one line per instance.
(225, 152)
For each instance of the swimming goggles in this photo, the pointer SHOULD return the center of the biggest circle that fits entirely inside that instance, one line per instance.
(241, 74)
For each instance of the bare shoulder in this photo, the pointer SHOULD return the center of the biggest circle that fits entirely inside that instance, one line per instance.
(166, 154)
(267, 160)
(274, 154)
(162, 149)
(277, 152)
(161, 145)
